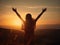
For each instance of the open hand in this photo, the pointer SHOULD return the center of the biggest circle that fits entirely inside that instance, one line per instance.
(44, 9)
(14, 9)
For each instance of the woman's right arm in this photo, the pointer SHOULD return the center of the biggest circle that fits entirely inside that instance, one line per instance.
(15, 10)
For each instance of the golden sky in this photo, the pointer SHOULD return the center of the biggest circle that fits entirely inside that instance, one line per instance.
(9, 18)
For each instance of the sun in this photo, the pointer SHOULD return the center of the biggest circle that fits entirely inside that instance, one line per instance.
(17, 23)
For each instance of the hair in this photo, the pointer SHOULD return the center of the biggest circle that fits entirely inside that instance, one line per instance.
(28, 16)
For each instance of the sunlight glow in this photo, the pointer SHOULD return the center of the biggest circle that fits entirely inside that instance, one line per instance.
(17, 23)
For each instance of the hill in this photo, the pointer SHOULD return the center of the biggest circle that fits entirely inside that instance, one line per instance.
(42, 37)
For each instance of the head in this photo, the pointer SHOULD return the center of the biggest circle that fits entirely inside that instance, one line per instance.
(28, 16)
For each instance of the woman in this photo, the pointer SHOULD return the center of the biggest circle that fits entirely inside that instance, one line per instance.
(29, 25)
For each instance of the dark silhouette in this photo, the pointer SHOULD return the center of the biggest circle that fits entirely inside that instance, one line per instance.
(29, 26)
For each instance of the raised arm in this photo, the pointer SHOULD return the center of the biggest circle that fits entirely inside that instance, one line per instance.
(41, 14)
(14, 9)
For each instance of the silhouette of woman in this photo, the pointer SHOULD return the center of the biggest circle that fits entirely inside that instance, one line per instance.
(29, 25)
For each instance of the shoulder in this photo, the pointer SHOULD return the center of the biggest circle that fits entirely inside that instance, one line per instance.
(34, 20)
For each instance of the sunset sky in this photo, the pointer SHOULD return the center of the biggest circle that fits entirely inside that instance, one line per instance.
(9, 18)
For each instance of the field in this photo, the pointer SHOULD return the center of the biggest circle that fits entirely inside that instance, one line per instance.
(42, 37)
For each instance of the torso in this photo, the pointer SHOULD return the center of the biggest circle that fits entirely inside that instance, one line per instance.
(30, 26)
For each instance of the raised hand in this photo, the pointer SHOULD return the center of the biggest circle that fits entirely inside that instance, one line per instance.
(43, 10)
(14, 9)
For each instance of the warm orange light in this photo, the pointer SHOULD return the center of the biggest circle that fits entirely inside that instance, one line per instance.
(17, 23)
